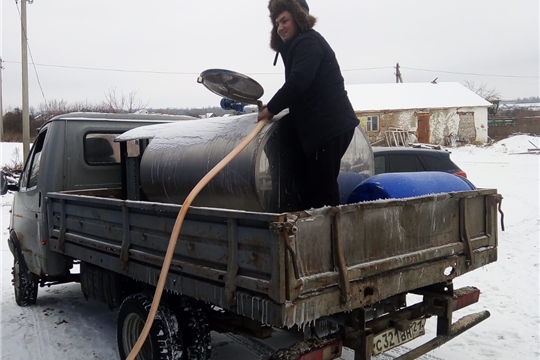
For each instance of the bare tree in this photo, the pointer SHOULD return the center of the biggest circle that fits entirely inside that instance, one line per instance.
(54, 108)
(483, 90)
(15, 164)
(118, 103)
(58, 107)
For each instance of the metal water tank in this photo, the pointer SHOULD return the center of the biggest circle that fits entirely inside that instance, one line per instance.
(258, 179)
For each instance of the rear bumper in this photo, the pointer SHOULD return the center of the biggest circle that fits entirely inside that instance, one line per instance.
(459, 327)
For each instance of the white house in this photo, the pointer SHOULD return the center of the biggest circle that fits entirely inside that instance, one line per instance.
(435, 113)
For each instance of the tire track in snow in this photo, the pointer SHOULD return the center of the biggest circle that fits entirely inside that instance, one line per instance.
(43, 351)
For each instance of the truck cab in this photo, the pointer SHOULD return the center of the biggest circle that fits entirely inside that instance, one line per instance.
(80, 153)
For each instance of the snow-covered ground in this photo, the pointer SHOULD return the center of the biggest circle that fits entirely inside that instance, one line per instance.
(63, 325)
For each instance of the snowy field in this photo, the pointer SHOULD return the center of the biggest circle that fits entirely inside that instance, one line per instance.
(63, 325)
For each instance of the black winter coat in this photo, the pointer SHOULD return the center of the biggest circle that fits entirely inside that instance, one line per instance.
(314, 91)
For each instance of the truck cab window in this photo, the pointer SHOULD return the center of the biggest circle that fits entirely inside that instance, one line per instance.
(32, 181)
(100, 149)
(29, 177)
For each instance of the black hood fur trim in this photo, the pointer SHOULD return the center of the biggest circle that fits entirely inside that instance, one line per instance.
(302, 17)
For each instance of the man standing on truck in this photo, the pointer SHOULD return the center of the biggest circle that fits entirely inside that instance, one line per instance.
(321, 120)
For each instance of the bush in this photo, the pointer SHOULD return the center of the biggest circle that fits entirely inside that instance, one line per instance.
(13, 126)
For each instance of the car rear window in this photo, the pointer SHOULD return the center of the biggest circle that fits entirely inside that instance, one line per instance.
(403, 163)
(437, 162)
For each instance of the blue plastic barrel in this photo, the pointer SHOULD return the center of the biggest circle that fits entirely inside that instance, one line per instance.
(348, 181)
(408, 184)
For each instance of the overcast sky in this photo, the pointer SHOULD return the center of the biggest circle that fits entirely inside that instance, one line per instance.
(84, 48)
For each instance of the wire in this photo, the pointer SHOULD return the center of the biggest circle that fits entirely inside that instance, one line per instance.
(372, 68)
(170, 72)
(266, 73)
(475, 74)
(109, 69)
(30, 51)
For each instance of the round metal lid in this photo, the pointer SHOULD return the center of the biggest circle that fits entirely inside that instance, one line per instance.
(232, 85)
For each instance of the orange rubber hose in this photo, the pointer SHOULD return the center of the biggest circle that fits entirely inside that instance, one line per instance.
(176, 232)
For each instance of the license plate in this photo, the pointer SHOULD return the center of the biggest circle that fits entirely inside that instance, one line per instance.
(391, 338)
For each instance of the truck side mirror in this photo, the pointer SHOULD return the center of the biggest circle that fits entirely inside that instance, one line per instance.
(3, 184)
(8, 184)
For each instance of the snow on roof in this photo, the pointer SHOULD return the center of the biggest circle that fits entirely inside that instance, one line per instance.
(394, 96)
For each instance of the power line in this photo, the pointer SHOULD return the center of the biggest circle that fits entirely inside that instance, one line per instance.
(371, 68)
(110, 69)
(474, 74)
(342, 70)
(169, 72)
(265, 73)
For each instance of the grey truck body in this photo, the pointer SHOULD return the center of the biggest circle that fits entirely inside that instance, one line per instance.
(282, 270)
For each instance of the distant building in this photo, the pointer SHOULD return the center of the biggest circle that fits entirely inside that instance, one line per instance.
(207, 116)
(400, 113)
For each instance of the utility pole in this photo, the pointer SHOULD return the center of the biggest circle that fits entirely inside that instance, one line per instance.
(398, 74)
(1, 108)
(25, 102)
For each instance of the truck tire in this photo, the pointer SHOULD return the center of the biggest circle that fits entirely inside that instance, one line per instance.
(162, 342)
(194, 330)
(25, 286)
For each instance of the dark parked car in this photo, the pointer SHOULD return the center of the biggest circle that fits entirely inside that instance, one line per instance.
(407, 159)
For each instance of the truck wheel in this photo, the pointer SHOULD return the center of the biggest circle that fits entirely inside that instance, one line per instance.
(25, 286)
(194, 331)
(162, 341)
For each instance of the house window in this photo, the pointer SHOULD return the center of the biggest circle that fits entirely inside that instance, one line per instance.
(372, 123)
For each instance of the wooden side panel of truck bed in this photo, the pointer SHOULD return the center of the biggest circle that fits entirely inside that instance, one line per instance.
(283, 269)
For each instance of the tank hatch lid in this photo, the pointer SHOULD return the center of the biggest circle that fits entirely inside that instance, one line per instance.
(232, 85)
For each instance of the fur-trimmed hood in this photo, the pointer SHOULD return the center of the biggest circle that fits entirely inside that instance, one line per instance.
(300, 12)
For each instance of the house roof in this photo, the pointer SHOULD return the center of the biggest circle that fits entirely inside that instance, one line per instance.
(394, 96)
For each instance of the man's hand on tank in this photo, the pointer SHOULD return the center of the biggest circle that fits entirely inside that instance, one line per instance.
(265, 115)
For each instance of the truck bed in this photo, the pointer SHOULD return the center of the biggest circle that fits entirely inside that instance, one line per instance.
(282, 269)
